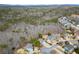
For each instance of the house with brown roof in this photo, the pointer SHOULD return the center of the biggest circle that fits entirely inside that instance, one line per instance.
(75, 15)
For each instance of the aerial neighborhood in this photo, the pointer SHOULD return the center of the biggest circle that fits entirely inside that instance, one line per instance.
(55, 43)
(52, 29)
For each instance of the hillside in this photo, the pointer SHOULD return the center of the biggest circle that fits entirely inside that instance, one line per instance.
(26, 22)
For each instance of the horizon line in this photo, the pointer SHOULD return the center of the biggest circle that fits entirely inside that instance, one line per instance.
(39, 4)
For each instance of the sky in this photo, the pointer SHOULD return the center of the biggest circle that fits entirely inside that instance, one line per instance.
(38, 2)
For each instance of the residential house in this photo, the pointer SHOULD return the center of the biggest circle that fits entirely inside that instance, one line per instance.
(68, 48)
(45, 50)
(65, 22)
(77, 34)
(75, 15)
(36, 50)
(52, 38)
(44, 36)
(44, 43)
(21, 51)
(29, 48)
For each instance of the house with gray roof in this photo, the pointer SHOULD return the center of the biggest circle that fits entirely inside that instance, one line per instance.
(65, 22)
(29, 48)
(68, 48)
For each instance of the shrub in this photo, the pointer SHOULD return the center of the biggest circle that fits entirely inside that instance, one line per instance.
(48, 33)
(40, 35)
(3, 46)
(35, 42)
(76, 50)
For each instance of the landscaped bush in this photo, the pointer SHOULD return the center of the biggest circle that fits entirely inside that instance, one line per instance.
(35, 42)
